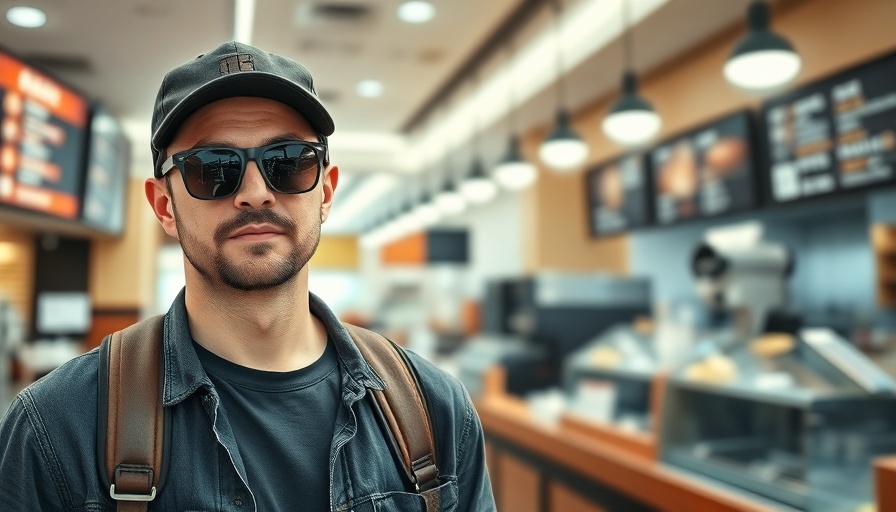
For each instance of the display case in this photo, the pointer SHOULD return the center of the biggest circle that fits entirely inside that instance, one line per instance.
(798, 419)
(610, 378)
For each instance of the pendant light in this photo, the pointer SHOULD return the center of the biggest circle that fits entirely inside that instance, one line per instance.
(514, 172)
(477, 187)
(449, 200)
(426, 212)
(762, 61)
(563, 150)
(631, 122)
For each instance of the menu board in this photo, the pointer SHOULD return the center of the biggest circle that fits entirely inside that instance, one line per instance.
(42, 129)
(618, 195)
(835, 135)
(706, 172)
(107, 173)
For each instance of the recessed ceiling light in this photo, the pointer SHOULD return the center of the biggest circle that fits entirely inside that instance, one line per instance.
(416, 11)
(369, 88)
(27, 17)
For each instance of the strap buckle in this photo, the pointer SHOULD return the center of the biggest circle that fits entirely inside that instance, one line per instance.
(132, 497)
(426, 474)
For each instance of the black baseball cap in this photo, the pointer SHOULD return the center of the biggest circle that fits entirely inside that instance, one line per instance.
(233, 69)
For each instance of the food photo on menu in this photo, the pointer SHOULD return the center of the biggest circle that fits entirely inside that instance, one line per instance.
(706, 172)
(617, 194)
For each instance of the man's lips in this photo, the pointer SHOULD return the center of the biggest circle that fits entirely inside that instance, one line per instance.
(256, 232)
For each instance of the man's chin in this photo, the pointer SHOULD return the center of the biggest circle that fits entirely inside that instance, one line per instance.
(249, 283)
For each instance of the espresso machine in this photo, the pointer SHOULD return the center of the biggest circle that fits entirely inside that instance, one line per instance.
(796, 414)
(742, 279)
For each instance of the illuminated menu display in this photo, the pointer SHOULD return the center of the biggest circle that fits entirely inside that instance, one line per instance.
(705, 172)
(42, 134)
(834, 135)
(618, 195)
(107, 170)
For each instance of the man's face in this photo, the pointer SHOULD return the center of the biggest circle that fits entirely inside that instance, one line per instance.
(255, 239)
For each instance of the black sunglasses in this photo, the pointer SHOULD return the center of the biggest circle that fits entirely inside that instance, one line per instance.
(217, 172)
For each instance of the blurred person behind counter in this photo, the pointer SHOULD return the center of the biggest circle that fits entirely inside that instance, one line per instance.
(263, 387)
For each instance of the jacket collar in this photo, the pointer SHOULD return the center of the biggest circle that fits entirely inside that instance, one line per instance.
(184, 373)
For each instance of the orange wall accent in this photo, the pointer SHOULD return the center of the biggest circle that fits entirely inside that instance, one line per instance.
(123, 270)
(17, 270)
(410, 250)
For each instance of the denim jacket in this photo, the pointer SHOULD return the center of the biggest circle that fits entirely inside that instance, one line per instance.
(48, 456)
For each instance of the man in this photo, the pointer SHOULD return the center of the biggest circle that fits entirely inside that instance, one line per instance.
(265, 388)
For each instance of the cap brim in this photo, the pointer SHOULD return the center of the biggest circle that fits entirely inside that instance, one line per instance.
(256, 84)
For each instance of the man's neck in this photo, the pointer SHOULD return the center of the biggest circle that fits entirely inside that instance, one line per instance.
(270, 330)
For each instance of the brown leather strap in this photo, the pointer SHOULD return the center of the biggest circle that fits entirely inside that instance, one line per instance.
(135, 417)
(431, 498)
(403, 407)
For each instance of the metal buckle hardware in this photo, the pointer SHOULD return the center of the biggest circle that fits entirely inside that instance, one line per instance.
(132, 497)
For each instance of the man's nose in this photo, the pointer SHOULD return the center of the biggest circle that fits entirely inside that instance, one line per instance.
(254, 192)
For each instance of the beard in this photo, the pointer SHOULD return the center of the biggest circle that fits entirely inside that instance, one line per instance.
(261, 270)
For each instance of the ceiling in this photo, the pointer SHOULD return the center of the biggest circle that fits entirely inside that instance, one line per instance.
(117, 51)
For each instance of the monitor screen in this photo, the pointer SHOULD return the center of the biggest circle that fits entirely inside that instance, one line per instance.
(705, 172)
(835, 135)
(63, 313)
(618, 195)
(42, 130)
(108, 159)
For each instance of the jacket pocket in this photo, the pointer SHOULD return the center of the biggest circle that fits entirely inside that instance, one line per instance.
(412, 502)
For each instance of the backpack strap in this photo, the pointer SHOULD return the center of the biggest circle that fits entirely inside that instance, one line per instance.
(133, 429)
(131, 423)
(402, 406)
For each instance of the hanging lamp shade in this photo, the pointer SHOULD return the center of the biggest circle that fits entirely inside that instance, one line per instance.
(426, 211)
(563, 150)
(632, 121)
(478, 188)
(514, 172)
(449, 201)
(762, 61)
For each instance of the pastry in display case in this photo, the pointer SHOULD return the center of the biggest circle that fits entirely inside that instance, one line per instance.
(797, 418)
(610, 379)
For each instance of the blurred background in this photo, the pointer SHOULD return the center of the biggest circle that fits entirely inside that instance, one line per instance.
(655, 239)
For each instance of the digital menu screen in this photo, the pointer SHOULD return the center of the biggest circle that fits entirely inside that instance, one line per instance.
(42, 129)
(618, 195)
(108, 159)
(706, 172)
(835, 135)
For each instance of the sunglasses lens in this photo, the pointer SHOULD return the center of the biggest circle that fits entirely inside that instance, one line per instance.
(212, 173)
(291, 168)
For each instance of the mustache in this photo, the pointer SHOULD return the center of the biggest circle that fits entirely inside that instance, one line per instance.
(249, 217)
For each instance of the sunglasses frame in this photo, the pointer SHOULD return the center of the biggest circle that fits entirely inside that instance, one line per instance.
(246, 154)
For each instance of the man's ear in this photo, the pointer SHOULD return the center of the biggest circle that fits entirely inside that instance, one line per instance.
(159, 196)
(328, 187)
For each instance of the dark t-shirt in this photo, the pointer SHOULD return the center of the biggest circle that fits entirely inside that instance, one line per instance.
(283, 423)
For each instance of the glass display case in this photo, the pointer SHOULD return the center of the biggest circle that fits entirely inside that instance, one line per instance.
(610, 378)
(796, 418)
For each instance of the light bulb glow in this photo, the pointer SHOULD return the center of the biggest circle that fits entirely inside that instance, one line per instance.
(563, 154)
(26, 17)
(428, 214)
(515, 175)
(416, 11)
(632, 128)
(478, 190)
(763, 70)
(369, 88)
(450, 203)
